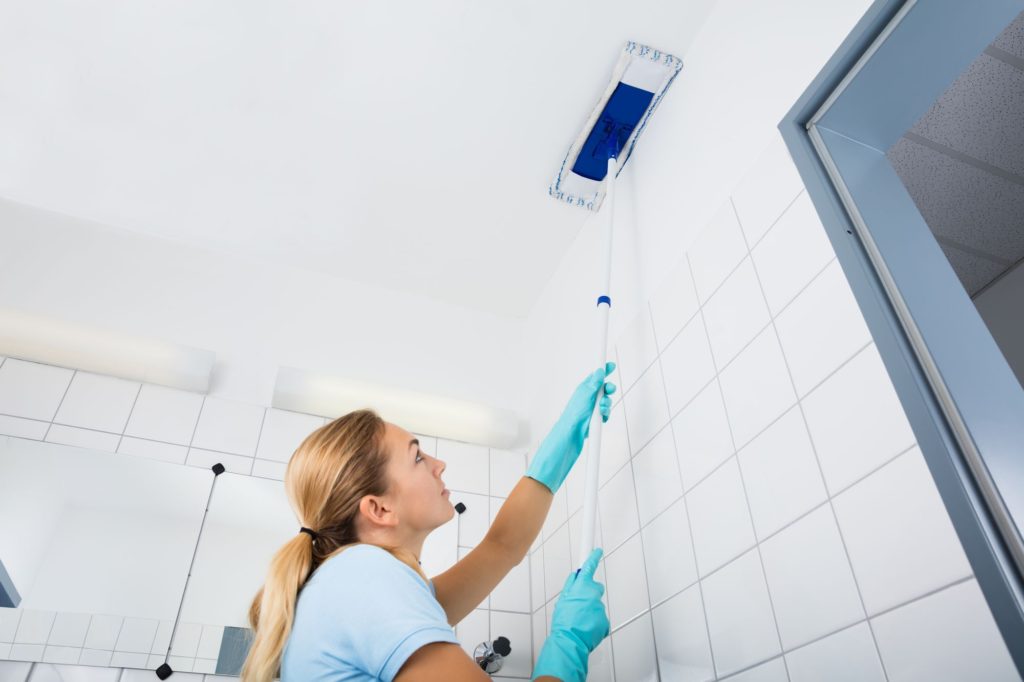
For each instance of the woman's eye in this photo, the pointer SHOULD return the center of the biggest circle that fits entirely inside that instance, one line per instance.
(419, 457)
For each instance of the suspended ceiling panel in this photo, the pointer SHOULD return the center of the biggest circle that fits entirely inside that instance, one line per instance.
(404, 144)
(963, 164)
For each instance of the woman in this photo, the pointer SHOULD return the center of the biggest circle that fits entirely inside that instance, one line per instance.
(346, 599)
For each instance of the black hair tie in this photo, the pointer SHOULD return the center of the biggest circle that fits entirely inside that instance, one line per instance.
(311, 533)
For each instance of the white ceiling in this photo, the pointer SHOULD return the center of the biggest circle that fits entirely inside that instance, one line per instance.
(963, 164)
(403, 144)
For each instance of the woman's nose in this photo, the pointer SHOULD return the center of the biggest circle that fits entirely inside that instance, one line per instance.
(443, 467)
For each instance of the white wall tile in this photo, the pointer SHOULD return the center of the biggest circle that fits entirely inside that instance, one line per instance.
(466, 466)
(165, 452)
(636, 349)
(209, 641)
(205, 459)
(821, 329)
(474, 522)
(136, 635)
(687, 365)
(228, 426)
(23, 428)
(719, 518)
(440, 549)
(809, 579)
(556, 562)
(537, 592)
(766, 190)
(34, 626)
(203, 665)
(32, 390)
(617, 503)
(756, 387)
(740, 615)
(684, 652)
(949, 635)
(791, 253)
(781, 474)
(180, 663)
(103, 632)
(72, 673)
(515, 626)
(674, 303)
(98, 402)
(165, 414)
(69, 629)
(473, 629)
(27, 652)
(656, 474)
(847, 656)
(96, 657)
(557, 514)
(9, 618)
(668, 553)
(284, 431)
(645, 408)
(772, 671)
(633, 648)
(703, 440)
(162, 641)
(735, 313)
(901, 541)
(506, 469)
(513, 592)
(627, 582)
(538, 626)
(266, 469)
(82, 438)
(59, 654)
(716, 251)
(614, 451)
(856, 421)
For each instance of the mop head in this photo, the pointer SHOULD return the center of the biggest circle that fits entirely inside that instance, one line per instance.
(640, 79)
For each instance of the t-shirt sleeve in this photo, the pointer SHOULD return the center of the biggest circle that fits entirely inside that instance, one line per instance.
(391, 612)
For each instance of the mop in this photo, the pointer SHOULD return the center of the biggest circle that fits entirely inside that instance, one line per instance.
(639, 81)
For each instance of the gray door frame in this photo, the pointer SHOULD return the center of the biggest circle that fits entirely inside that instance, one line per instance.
(963, 401)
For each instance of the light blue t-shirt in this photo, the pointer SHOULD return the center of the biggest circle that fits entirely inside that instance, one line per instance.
(360, 616)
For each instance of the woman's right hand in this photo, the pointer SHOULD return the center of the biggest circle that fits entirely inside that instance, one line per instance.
(578, 625)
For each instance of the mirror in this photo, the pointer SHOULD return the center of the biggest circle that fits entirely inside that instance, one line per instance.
(94, 553)
(247, 522)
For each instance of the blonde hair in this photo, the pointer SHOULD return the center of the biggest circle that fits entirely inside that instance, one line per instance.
(327, 476)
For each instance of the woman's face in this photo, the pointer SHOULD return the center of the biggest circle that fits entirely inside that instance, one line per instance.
(420, 494)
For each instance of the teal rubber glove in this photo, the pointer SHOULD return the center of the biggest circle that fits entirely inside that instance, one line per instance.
(578, 625)
(564, 443)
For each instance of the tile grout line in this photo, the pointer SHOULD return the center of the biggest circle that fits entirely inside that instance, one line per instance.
(259, 436)
(636, 497)
(124, 428)
(686, 507)
(67, 388)
(732, 435)
(821, 473)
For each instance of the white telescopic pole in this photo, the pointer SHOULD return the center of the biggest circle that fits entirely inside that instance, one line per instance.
(603, 308)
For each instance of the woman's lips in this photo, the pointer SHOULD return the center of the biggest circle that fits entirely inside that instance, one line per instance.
(445, 491)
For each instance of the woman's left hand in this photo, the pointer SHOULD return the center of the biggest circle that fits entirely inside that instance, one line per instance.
(563, 445)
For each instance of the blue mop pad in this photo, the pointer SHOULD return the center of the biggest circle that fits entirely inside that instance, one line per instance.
(640, 79)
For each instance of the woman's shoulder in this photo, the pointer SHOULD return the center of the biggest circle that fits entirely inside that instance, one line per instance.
(364, 562)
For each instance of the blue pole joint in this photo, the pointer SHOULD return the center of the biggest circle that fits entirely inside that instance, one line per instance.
(604, 299)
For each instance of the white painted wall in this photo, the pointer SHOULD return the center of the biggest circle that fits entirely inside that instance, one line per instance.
(253, 315)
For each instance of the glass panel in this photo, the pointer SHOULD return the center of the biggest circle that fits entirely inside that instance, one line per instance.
(96, 547)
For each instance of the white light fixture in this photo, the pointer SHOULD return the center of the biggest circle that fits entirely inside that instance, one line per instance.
(331, 396)
(68, 344)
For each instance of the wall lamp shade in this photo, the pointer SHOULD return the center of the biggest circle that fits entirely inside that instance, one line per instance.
(68, 344)
(331, 396)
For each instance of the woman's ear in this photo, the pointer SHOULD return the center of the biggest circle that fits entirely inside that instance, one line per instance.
(377, 511)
